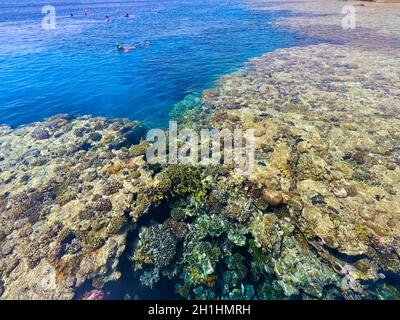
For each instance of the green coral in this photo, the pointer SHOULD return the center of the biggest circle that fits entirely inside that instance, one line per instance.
(182, 209)
(216, 225)
(183, 290)
(139, 149)
(189, 102)
(91, 240)
(270, 290)
(97, 283)
(202, 293)
(161, 188)
(98, 224)
(299, 269)
(156, 247)
(116, 224)
(142, 204)
(259, 256)
(236, 262)
(60, 189)
(261, 262)
(266, 231)
(237, 234)
(176, 181)
(239, 209)
(209, 225)
(200, 259)
(184, 180)
(361, 175)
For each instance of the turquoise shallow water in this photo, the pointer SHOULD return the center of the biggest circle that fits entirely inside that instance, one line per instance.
(76, 68)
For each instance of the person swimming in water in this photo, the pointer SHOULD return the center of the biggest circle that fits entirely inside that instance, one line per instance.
(85, 12)
(107, 19)
(119, 47)
(126, 15)
(125, 49)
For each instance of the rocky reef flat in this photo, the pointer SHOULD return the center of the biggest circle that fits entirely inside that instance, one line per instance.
(64, 197)
(318, 217)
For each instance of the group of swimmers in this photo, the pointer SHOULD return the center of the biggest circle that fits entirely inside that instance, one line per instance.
(107, 18)
(146, 44)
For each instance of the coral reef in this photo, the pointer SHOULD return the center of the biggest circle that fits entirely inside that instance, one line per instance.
(93, 295)
(62, 218)
(317, 218)
(156, 246)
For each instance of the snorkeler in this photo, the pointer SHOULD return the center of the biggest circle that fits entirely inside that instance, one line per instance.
(125, 49)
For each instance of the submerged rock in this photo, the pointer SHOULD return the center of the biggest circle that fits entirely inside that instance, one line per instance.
(41, 134)
(274, 198)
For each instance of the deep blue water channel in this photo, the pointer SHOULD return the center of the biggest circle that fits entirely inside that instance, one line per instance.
(77, 69)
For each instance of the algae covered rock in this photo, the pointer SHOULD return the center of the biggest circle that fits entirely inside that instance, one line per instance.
(60, 231)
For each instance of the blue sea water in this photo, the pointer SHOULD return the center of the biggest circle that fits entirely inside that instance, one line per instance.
(76, 68)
